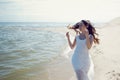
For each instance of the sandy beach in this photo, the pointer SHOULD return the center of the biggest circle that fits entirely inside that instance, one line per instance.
(34, 46)
(105, 56)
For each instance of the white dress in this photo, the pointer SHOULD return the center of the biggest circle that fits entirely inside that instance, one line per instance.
(81, 60)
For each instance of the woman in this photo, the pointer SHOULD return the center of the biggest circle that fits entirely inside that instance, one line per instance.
(83, 41)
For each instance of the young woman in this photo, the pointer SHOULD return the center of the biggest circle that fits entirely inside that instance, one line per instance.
(83, 41)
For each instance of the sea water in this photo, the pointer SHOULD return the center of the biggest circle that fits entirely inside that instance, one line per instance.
(26, 49)
(30, 52)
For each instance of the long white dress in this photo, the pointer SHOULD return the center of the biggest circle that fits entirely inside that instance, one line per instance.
(81, 61)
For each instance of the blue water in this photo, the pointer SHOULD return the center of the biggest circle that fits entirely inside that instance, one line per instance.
(26, 47)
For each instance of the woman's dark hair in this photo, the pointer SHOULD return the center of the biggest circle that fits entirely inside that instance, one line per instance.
(76, 26)
(91, 30)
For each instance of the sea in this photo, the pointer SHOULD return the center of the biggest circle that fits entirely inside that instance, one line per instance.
(28, 50)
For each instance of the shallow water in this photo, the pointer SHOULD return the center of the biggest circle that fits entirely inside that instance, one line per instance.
(30, 52)
(26, 51)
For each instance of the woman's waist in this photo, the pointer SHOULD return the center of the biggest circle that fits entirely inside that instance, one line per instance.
(81, 50)
(79, 56)
(81, 53)
(81, 47)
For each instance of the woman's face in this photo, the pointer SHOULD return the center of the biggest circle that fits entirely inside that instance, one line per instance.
(82, 27)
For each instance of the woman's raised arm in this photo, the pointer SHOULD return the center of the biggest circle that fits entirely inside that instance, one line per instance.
(72, 45)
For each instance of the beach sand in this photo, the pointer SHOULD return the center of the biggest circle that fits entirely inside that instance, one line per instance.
(105, 56)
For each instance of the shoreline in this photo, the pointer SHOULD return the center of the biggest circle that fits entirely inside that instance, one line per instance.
(105, 56)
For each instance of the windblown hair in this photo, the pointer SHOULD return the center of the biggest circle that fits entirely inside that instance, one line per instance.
(91, 30)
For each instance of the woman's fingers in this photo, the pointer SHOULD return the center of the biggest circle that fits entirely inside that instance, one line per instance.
(68, 26)
(67, 34)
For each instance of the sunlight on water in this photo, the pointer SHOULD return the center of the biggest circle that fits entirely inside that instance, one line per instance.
(24, 52)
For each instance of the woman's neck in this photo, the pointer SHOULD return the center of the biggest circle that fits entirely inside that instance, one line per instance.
(82, 36)
(82, 32)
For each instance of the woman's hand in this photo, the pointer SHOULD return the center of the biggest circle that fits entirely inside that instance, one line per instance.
(76, 31)
(67, 35)
(69, 27)
(72, 45)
